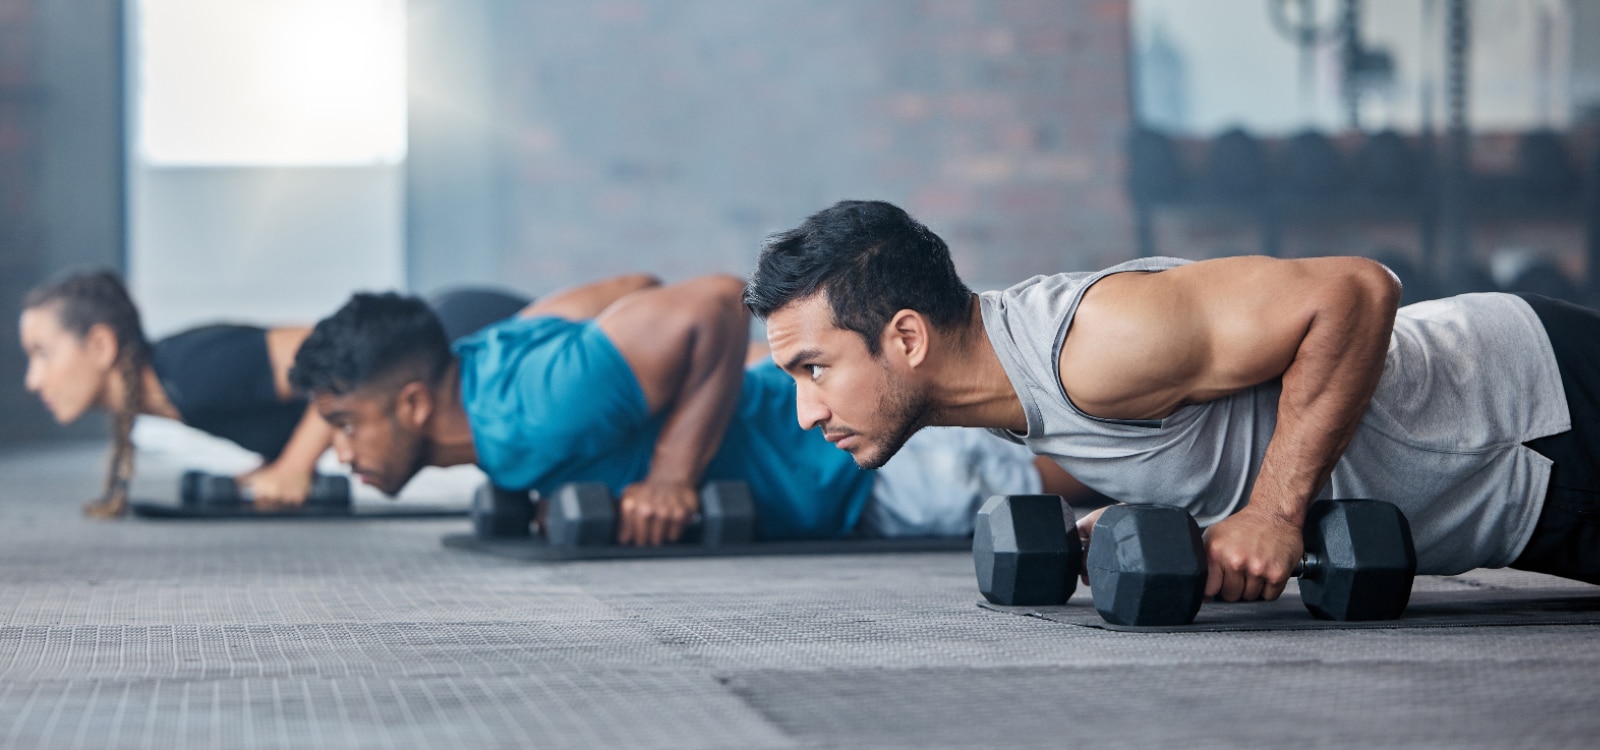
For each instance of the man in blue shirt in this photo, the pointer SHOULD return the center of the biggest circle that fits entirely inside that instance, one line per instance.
(640, 386)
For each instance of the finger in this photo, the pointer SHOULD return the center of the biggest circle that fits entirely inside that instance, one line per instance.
(1253, 586)
(626, 523)
(1274, 589)
(675, 525)
(1213, 580)
(1232, 585)
(655, 529)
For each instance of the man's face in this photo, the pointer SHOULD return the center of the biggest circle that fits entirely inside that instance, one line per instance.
(374, 435)
(866, 405)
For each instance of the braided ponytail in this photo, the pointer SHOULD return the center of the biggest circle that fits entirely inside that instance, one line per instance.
(82, 301)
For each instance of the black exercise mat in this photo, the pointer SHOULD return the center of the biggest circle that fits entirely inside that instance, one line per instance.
(1461, 607)
(243, 512)
(537, 549)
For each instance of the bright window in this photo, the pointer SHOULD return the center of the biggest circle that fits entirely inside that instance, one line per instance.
(270, 82)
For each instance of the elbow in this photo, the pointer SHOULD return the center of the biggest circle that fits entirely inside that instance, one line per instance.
(639, 281)
(1374, 285)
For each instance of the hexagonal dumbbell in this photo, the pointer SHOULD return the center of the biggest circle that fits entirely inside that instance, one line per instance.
(1150, 567)
(585, 514)
(1147, 565)
(501, 514)
(1359, 561)
(1026, 550)
(199, 488)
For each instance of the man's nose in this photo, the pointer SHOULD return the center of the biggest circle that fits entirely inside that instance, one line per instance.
(809, 408)
(34, 379)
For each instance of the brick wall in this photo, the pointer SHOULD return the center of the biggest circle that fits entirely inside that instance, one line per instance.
(671, 135)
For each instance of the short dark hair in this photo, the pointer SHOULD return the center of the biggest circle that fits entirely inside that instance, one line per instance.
(872, 259)
(372, 338)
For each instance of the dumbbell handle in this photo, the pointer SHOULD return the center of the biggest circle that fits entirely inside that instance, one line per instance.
(1308, 562)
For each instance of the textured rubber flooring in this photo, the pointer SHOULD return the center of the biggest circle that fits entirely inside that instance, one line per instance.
(370, 634)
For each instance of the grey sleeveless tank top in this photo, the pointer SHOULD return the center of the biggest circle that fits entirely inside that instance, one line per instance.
(1467, 381)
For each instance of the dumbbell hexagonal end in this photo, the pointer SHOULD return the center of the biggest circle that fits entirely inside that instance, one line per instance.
(727, 514)
(1365, 560)
(1147, 566)
(216, 489)
(581, 514)
(189, 487)
(329, 490)
(1026, 551)
(500, 514)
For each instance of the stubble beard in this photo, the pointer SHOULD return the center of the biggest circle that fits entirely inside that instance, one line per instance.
(905, 410)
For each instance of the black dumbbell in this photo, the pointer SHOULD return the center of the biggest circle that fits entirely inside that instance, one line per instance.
(501, 514)
(199, 488)
(1147, 564)
(1026, 550)
(585, 514)
(1359, 559)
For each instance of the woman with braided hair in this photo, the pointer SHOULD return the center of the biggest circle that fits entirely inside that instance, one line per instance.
(87, 350)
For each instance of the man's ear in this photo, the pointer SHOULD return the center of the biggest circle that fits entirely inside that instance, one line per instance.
(100, 343)
(905, 338)
(413, 405)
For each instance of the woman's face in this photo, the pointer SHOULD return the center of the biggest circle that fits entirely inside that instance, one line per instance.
(67, 372)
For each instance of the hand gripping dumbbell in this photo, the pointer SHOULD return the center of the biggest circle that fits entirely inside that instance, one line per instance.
(585, 514)
(199, 488)
(1149, 567)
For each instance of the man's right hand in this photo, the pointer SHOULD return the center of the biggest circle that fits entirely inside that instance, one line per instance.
(653, 513)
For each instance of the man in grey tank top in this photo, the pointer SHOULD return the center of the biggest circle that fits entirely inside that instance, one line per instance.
(1240, 389)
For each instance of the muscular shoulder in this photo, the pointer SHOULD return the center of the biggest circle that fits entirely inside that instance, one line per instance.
(1128, 347)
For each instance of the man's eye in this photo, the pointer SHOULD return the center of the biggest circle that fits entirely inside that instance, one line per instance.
(816, 371)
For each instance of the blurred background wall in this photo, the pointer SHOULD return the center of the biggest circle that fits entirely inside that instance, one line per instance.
(61, 166)
(552, 142)
(257, 160)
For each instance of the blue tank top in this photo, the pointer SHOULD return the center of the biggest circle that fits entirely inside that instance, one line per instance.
(552, 401)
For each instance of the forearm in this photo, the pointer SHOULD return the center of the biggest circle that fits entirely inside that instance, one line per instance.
(1326, 390)
(709, 391)
(310, 439)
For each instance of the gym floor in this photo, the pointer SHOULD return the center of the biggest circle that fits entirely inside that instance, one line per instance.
(143, 634)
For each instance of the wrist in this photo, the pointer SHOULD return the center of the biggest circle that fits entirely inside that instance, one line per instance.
(1291, 515)
(668, 479)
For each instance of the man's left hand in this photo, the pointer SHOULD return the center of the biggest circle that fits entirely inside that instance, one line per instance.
(1252, 555)
(655, 512)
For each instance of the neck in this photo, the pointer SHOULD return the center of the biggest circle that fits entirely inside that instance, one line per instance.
(449, 432)
(154, 401)
(971, 388)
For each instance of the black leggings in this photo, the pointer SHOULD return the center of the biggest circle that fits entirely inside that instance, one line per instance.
(468, 309)
(1566, 541)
